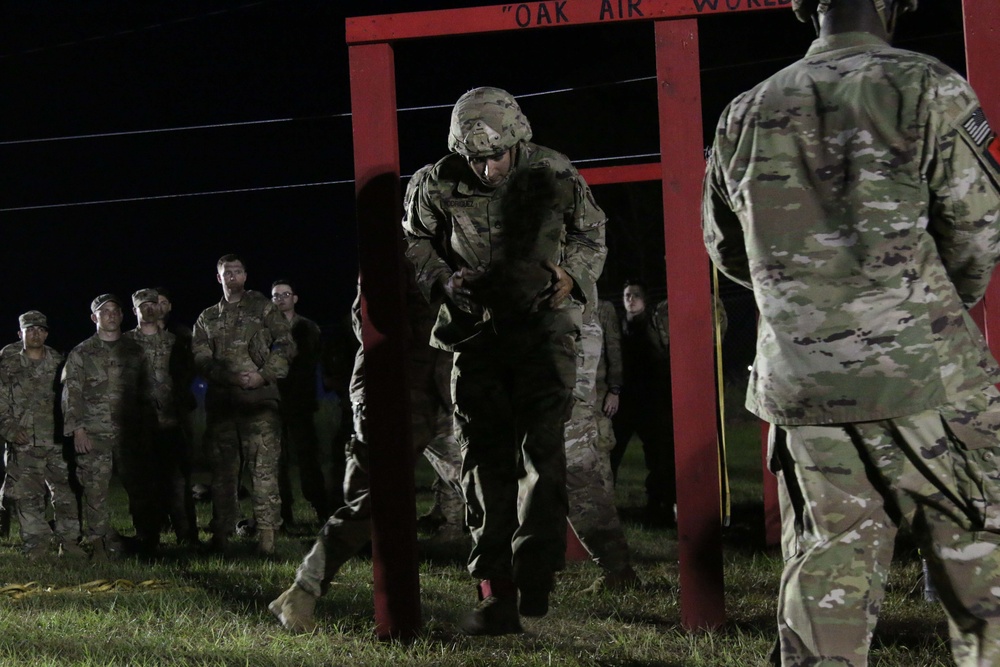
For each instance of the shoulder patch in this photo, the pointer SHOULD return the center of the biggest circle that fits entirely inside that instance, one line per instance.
(976, 130)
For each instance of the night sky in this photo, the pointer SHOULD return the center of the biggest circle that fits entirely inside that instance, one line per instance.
(263, 89)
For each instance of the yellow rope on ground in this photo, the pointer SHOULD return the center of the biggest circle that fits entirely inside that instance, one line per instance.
(17, 591)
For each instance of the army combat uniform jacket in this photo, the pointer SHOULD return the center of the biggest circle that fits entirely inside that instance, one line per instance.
(29, 392)
(249, 335)
(103, 387)
(865, 232)
(543, 211)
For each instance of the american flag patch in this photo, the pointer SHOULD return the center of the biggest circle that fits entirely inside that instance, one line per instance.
(977, 127)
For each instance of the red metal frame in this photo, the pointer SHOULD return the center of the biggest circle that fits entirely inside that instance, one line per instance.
(377, 183)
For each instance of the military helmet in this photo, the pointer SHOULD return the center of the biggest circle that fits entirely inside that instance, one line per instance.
(486, 121)
(804, 9)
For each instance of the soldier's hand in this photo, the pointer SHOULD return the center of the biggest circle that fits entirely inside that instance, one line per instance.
(557, 291)
(611, 404)
(81, 441)
(21, 438)
(459, 291)
(251, 380)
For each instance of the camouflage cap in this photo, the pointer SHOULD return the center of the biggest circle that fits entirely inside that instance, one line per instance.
(144, 296)
(96, 304)
(33, 318)
(486, 121)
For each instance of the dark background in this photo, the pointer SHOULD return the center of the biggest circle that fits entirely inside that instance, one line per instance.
(93, 94)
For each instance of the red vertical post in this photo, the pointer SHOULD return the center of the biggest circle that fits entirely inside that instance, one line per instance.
(391, 460)
(699, 524)
(982, 53)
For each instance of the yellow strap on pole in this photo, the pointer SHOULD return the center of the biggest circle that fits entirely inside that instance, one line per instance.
(726, 500)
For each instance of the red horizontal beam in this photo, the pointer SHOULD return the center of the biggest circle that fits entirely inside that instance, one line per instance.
(628, 173)
(545, 14)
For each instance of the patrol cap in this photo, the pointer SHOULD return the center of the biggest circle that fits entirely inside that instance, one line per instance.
(96, 304)
(33, 318)
(144, 296)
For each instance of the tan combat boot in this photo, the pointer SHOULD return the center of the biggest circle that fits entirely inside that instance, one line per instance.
(266, 543)
(294, 608)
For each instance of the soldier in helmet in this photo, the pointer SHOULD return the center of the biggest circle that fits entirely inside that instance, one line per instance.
(857, 193)
(507, 233)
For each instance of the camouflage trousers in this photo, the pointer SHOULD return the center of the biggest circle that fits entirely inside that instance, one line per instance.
(845, 489)
(349, 529)
(299, 440)
(31, 471)
(513, 395)
(245, 437)
(164, 473)
(93, 472)
(589, 482)
(434, 428)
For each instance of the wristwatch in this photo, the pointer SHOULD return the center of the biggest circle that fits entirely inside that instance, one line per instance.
(614, 389)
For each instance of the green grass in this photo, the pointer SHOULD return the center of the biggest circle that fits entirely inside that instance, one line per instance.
(204, 610)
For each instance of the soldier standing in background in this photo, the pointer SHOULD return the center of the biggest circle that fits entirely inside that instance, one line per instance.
(30, 421)
(103, 380)
(857, 193)
(644, 408)
(164, 465)
(242, 347)
(589, 482)
(298, 410)
(609, 375)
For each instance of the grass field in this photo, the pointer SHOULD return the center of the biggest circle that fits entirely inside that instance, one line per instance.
(193, 609)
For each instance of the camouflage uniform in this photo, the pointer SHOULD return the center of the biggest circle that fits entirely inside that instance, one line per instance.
(29, 401)
(6, 504)
(103, 382)
(163, 469)
(298, 428)
(645, 407)
(589, 482)
(609, 371)
(349, 529)
(515, 365)
(870, 178)
(243, 424)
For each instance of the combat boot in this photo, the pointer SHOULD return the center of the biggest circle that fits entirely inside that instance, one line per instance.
(535, 588)
(294, 609)
(70, 549)
(621, 580)
(496, 613)
(266, 543)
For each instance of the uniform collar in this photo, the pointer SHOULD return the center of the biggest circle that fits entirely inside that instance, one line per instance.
(844, 40)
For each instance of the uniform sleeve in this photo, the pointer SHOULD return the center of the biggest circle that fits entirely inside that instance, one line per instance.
(73, 404)
(612, 344)
(585, 250)
(9, 420)
(721, 228)
(963, 178)
(423, 229)
(282, 345)
(661, 324)
(201, 350)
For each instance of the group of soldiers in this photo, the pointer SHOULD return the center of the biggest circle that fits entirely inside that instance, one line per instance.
(124, 398)
(124, 401)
